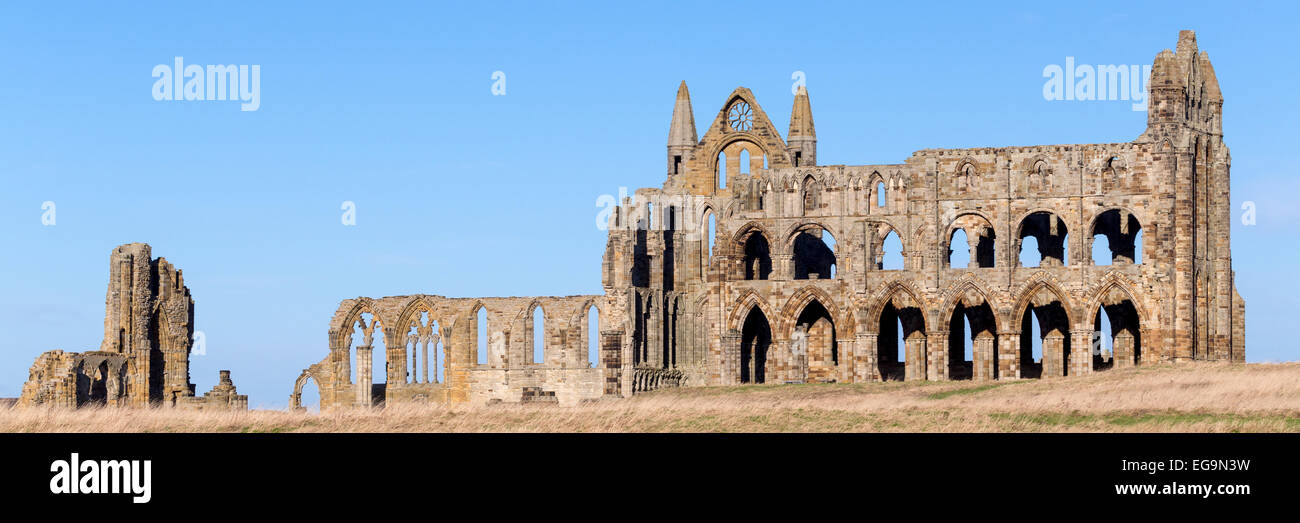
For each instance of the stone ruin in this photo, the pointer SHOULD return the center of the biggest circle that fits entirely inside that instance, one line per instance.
(144, 357)
(754, 264)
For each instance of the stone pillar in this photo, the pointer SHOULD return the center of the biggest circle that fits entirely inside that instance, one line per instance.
(916, 357)
(1122, 348)
(983, 362)
(654, 335)
(365, 375)
(846, 358)
(1080, 352)
(424, 359)
(864, 358)
(937, 359)
(1008, 355)
(729, 364)
(611, 358)
(783, 267)
(1053, 355)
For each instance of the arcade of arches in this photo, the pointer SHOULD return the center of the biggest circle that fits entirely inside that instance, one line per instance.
(752, 263)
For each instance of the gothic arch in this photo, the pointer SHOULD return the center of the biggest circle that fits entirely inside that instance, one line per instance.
(1110, 283)
(887, 294)
(1030, 294)
(342, 333)
(295, 399)
(743, 305)
(960, 291)
(801, 298)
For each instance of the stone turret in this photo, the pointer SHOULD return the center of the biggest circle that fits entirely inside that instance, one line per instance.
(681, 132)
(802, 140)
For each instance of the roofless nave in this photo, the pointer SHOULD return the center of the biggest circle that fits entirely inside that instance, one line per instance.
(772, 301)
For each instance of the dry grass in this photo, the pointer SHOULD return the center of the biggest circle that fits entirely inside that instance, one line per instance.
(1183, 398)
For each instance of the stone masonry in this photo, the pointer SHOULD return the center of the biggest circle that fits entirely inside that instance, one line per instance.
(727, 273)
(144, 357)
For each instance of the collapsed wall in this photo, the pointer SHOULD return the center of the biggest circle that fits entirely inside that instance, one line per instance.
(143, 359)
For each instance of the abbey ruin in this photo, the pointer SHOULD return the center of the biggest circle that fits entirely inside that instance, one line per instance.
(755, 264)
(144, 359)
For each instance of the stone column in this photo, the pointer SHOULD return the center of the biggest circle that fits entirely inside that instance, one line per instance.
(783, 266)
(1053, 355)
(864, 358)
(983, 362)
(611, 358)
(916, 357)
(365, 375)
(1122, 347)
(1008, 355)
(937, 359)
(846, 358)
(1080, 352)
(729, 366)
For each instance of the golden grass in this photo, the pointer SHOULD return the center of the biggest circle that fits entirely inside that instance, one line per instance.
(1183, 398)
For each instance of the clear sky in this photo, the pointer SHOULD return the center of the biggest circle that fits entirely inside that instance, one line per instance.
(463, 193)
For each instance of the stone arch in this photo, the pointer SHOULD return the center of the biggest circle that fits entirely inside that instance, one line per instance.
(752, 246)
(970, 301)
(481, 354)
(961, 291)
(1050, 230)
(979, 230)
(524, 321)
(1128, 321)
(806, 247)
(883, 229)
(742, 307)
(966, 175)
(1031, 294)
(875, 182)
(898, 311)
(816, 328)
(800, 299)
(342, 330)
(1121, 226)
(1043, 300)
(295, 399)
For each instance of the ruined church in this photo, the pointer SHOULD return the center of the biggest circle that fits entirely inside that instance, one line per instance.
(753, 263)
(144, 358)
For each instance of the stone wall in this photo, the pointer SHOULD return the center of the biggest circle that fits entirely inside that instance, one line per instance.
(143, 359)
(725, 274)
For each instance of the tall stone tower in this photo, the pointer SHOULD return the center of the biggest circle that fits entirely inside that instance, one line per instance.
(802, 139)
(149, 318)
(143, 359)
(681, 132)
(1185, 129)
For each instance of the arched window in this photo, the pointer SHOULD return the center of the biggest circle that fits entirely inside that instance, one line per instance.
(722, 170)
(880, 194)
(539, 335)
(758, 257)
(481, 334)
(744, 161)
(1117, 238)
(593, 336)
(891, 256)
(958, 250)
(1050, 237)
(814, 254)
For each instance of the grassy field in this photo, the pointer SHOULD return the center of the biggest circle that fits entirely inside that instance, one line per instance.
(1182, 398)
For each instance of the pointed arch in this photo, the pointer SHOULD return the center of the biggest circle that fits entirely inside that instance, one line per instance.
(1038, 291)
(743, 305)
(800, 299)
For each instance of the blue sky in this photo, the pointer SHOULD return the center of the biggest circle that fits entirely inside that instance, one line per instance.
(463, 193)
